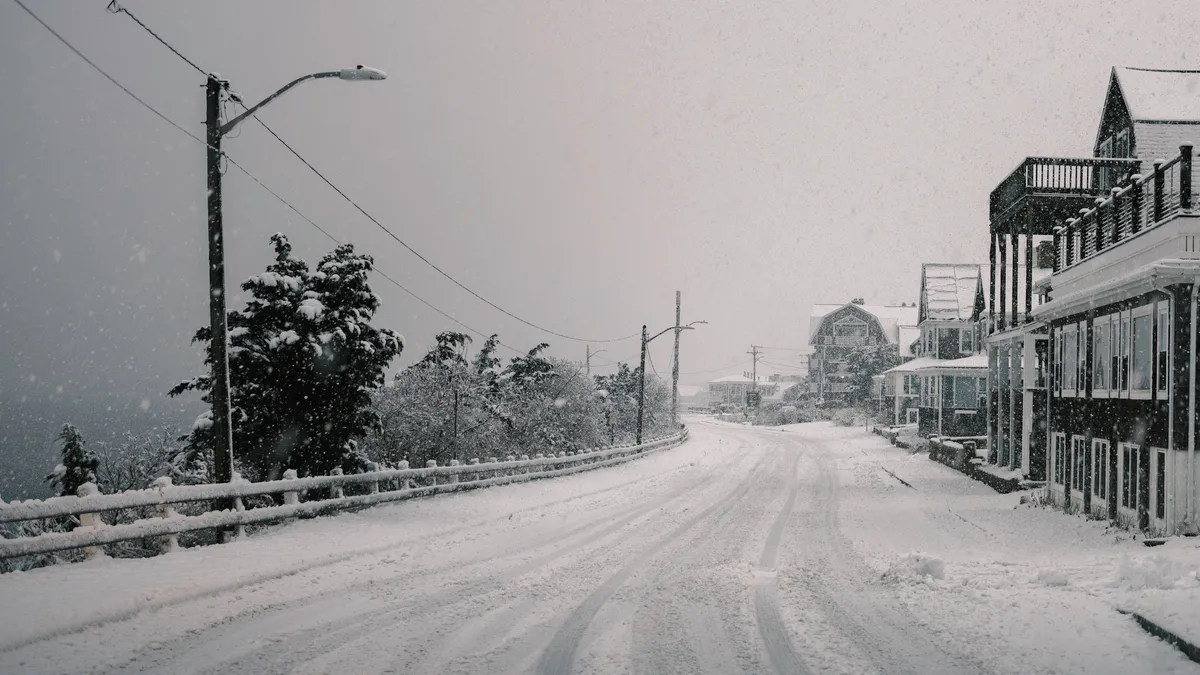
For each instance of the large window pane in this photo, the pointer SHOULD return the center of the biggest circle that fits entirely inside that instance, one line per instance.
(965, 392)
(1164, 344)
(1139, 377)
(1100, 355)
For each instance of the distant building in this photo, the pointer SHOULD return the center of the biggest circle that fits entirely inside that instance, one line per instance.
(835, 330)
(731, 389)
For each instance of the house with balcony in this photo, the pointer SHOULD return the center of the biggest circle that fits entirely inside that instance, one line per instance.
(1092, 387)
(837, 330)
(943, 389)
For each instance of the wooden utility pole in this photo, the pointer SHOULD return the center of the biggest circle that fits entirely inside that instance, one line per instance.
(641, 386)
(222, 426)
(675, 366)
(754, 369)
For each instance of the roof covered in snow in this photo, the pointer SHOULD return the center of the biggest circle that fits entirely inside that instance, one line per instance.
(973, 362)
(1160, 95)
(915, 364)
(739, 378)
(890, 317)
(949, 291)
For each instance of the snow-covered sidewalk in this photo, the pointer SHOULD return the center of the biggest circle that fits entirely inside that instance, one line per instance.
(993, 545)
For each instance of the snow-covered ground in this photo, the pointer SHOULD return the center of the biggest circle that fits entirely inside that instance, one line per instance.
(744, 550)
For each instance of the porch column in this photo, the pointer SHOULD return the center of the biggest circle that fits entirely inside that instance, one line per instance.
(1002, 306)
(1016, 267)
(993, 457)
(992, 285)
(1028, 277)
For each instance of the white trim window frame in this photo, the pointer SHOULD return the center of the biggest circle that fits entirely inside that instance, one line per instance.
(1141, 365)
(966, 339)
(1070, 360)
(1159, 481)
(1162, 352)
(1127, 477)
(1101, 356)
(1058, 459)
(1100, 448)
(1078, 466)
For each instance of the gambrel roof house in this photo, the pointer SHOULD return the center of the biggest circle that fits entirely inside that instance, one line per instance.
(890, 318)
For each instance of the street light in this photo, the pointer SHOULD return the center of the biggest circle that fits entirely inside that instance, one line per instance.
(222, 423)
(642, 369)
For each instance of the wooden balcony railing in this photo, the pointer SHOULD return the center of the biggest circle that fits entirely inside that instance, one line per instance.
(1143, 204)
(1059, 176)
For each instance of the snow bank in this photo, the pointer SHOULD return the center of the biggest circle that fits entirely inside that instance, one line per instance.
(916, 567)
(1157, 571)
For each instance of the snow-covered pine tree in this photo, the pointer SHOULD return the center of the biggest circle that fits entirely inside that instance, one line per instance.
(78, 464)
(303, 357)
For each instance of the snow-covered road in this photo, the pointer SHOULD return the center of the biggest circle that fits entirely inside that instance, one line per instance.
(743, 551)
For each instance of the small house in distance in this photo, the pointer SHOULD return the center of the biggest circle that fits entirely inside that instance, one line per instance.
(731, 389)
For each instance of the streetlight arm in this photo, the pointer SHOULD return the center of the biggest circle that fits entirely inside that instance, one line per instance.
(228, 126)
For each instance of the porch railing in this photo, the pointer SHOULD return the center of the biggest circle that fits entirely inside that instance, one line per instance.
(1126, 211)
(1059, 176)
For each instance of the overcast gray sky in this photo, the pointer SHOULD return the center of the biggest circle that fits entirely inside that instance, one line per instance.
(575, 162)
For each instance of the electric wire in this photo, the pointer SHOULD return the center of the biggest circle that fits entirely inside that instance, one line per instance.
(230, 160)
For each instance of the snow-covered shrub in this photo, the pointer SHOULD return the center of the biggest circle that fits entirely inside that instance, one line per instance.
(78, 463)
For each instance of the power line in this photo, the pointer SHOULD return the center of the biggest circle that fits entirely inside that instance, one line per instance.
(423, 258)
(713, 370)
(650, 358)
(229, 159)
(115, 8)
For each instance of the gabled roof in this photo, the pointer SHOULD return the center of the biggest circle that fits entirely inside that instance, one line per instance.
(1159, 95)
(890, 317)
(950, 291)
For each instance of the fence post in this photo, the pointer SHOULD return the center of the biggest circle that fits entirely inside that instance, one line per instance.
(1158, 192)
(527, 469)
(336, 491)
(493, 460)
(432, 464)
(454, 476)
(1185, 177)
(474, 461)
(290, 497)
(405, 483)
(169, 542)
(373, 486)
(510, 458)
(91, 520)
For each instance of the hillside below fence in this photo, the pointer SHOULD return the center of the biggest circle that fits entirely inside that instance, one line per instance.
(301, 497)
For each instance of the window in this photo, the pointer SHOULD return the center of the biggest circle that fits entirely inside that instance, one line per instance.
(948, 343)
(1164, 346)
(1070, 358)
(981, 389)
(947, 391)
(966, 392)
(1120, 147)
(1141, 364)
(966, 343)
(1129, 475)
(1078, 459)
(1057, 359)
(912, 385)
(1059, 458)
(1100, 468)
(1123, 353)
(1160, 482)
(1100, 354)
(929, 342)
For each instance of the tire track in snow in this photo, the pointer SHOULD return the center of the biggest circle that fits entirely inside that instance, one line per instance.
(559, 656)
(780, 651)
(332, 635)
